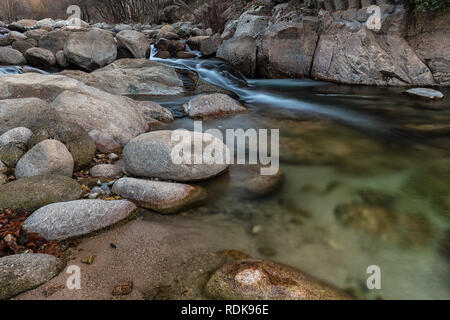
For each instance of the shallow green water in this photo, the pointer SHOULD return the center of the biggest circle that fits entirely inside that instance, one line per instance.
(354, 195)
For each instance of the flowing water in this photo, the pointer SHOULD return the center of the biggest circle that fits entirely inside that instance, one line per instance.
(366, 182)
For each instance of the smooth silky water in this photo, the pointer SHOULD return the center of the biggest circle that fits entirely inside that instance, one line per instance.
(367, 182)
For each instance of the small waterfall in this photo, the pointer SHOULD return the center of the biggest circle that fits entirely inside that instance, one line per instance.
(220, 73)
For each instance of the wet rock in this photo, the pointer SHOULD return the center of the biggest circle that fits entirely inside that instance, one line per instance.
(9, 56)
(30, 194)
(80, 145)
(105, 171)
(65, 220)
(212, 105)
(47, 157)
(406, 229)
(15, 26)
(29, 113)
(162, 197)
(40, 58)
(20, 134)
(150, 155)
(240, 53)
(426, 93)
(91, 50)
(185, 55)
(207, 45)
(152, 110)
(133, 77)
(266, 280)
(251, 184)
(135, 42)
(22, 272)
(11, 153)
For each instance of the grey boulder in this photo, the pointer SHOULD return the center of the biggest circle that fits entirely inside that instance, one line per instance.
(22, 272)
(65, 220)
(152, 155)
(162, 197)
(47, 157)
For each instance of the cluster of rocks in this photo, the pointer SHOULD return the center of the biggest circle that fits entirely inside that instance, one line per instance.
(48, 44)
(282, 39)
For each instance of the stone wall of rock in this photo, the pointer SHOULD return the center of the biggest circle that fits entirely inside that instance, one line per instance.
(342, 43)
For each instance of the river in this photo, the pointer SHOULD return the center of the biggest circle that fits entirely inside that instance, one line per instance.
(367, 182)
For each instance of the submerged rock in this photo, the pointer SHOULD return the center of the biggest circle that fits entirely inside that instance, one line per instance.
(212, 105)
(30, 194)
(251, 184)
(266, 280)
(65, 220)
(162, 197)
(406, 229)
(22, 272)
(150, 156)
(47, 157)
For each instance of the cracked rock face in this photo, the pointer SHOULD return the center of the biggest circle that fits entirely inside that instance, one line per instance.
(22, 272)
(65, 220)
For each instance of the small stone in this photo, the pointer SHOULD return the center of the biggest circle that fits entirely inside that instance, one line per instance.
(88, 260)
(21, 135)
(123, 289)
(113, 157)
(105, 171)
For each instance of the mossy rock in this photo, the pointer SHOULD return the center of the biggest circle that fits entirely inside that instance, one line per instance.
(11, 153)
(76, 139)
(30, 194)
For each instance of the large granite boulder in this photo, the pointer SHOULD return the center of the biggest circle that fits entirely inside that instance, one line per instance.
(22, 272)
(152, 155)
(91, 50)
(73, 101)
(134, 42)
(30, 194)
(287, 50)
(54, 40)
(65, 220)
(133, 77)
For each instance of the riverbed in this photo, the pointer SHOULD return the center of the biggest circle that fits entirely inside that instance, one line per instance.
(366, 182)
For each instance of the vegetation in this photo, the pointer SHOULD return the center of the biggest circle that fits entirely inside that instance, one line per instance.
(430, 5)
